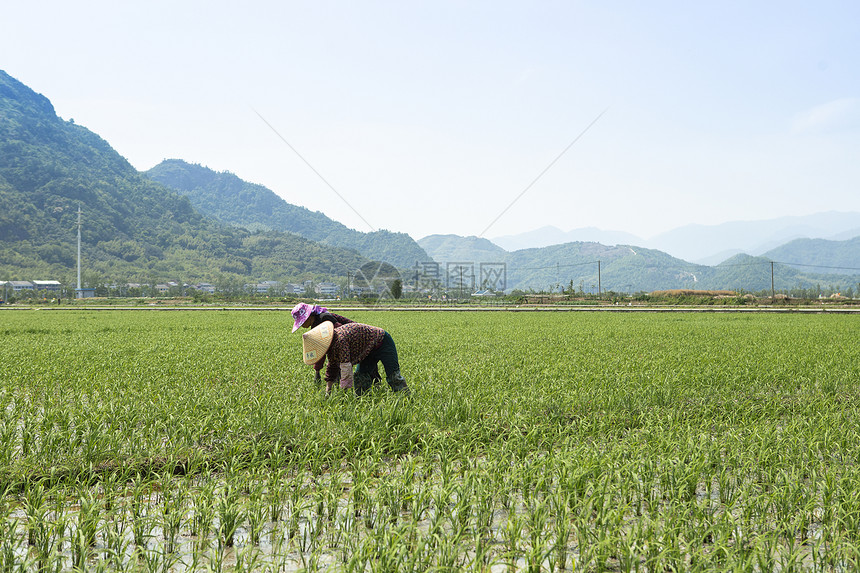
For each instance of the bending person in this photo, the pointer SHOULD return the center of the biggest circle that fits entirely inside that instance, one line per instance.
(349, 345)
(308, 316)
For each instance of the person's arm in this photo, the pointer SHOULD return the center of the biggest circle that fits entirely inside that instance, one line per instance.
(317, 368)
(345, 375)
(344, 363)
(332, 374)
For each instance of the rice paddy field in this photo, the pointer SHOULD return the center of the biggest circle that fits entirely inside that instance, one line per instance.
(531, 441)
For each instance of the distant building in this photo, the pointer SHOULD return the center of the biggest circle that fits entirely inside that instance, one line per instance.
(85, 292)
(358, 291)
(484, 293)
(18, 286)
(51, 286)
(267, 287)
(329, 289)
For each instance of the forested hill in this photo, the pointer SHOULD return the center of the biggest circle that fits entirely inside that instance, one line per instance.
(231, 200)
(589, 266)
(135, 229)
(840, 256)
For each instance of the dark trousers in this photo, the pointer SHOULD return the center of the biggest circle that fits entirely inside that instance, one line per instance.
(385, 353)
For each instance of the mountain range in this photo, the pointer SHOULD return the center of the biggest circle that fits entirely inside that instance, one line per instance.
(590, 266)
(134, 229)
(705, 244)
(187, 222)
(227, 198)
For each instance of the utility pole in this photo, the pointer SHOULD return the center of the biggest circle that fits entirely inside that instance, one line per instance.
(598, 279)
(461, 282)
(772, 291)
(78, 292)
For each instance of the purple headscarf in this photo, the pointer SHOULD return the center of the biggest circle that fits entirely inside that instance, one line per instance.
(302, 311)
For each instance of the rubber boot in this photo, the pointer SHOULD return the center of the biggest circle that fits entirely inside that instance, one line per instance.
(397, 382)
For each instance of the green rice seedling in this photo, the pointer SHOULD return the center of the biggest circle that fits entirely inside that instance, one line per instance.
(11, 553)
(766, 552)
(202, 518)
(36, 511)
(511, 536)
(316, 525)
(149, 559)
(560, 508)
(296, 494)
(482, 553)
(447, 469)
(360, 558)
(462, 510)
(248, 559)
(140, 518)
(115, 533)
(229, 512)
(49, 556)
(217, 557)
(257, 510)
(174, 493)
(440, 511)
(302, 515)
(28, 433)
(449, 552)
(89, 516)
(80, 549)
(276, 493)
(540, 546)
(420, 502)
(727, 487)
(484, 513)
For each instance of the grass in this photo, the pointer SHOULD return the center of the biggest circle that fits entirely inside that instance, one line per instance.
(531, 441)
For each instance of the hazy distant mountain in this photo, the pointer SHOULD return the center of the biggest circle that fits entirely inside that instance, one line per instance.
(231, 200)
(705, 244)
(589, 266)
(453, 248)
(718, 258)
(585, 266)
(845, 235)
(549, 235)
(699, 242)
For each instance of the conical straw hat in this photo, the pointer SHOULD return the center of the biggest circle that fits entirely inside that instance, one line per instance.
(316, 341)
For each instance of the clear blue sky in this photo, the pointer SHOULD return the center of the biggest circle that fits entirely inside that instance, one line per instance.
(433, 117)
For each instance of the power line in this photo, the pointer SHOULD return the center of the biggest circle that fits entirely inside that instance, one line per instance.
(312, 168)
(556, 266)
(817, 266)
(547, 168)
(764, 263)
